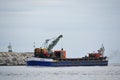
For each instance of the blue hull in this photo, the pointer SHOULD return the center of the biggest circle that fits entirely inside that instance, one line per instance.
(67, 63)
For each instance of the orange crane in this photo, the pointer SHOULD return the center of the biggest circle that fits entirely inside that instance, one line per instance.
(47, 52)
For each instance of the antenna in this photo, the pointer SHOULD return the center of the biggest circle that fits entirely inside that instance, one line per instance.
(34, 45)
(9, 48)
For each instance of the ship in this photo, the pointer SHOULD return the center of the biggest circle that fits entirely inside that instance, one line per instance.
(45, 56)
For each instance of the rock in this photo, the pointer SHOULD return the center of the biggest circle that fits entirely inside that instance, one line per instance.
(14, 58)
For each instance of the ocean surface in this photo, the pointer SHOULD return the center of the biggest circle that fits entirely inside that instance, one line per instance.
(111, 72)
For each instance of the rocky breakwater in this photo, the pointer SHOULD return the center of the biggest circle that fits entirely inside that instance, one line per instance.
(14, 58)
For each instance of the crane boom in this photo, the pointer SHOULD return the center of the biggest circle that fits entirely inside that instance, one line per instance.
(54, 42)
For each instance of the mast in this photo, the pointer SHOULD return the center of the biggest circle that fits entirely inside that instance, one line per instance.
(9, 48)
(101, 50)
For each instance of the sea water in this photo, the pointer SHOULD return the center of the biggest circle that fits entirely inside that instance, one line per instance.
(111, 72)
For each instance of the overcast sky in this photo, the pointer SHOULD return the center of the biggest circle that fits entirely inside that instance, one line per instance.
(85, 25)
